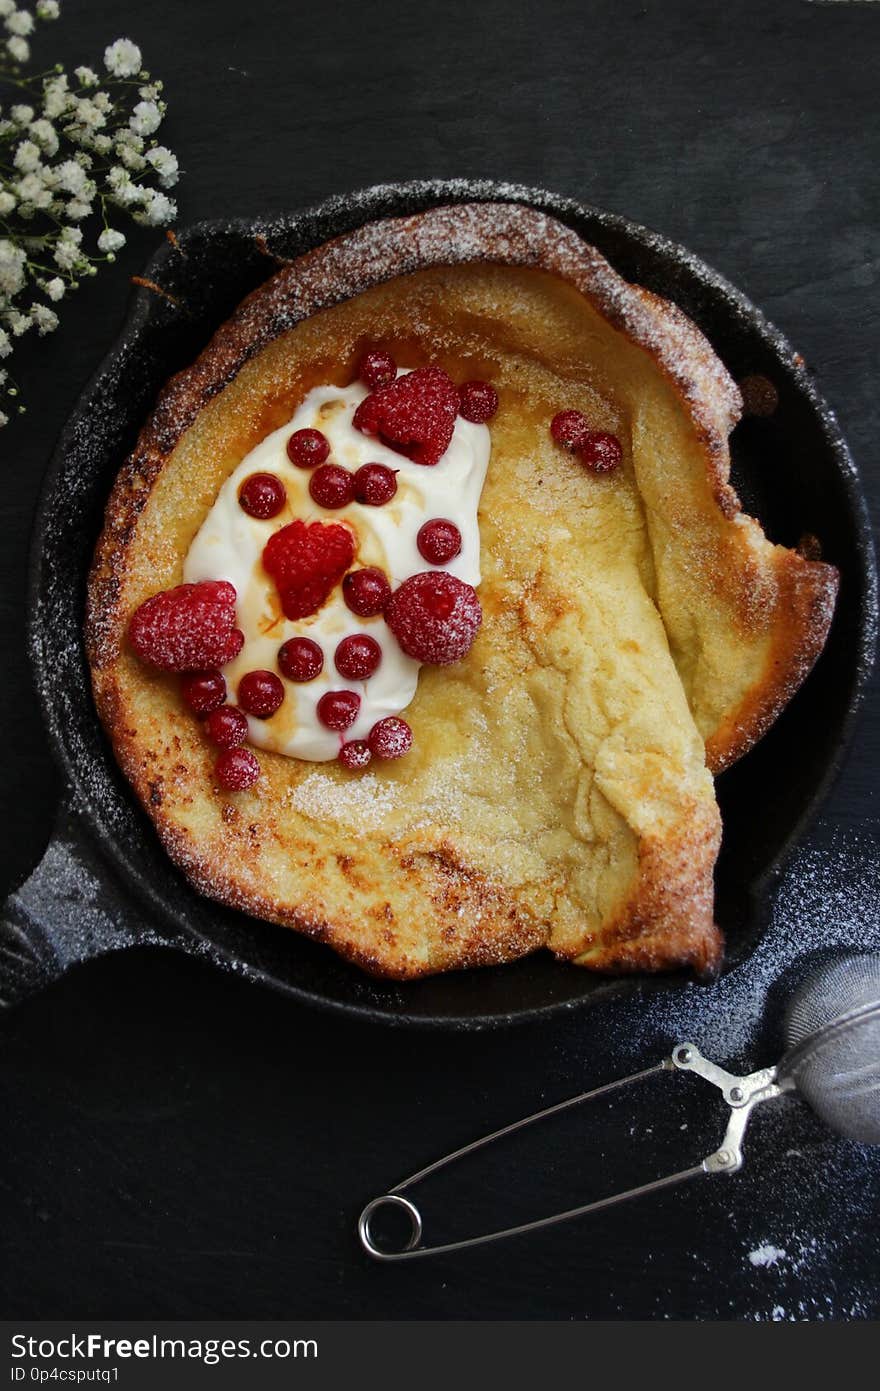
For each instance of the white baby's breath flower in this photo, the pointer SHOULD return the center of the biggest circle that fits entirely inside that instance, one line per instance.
(151, 91)
(131, 159)
(158, 209)
(32, 189)
(5, 343)
(19, 49)
(13, 260)
(70, 176)
(165, 164)
(78, 209)
(4, 419)
(87, 77)
(102, 144)
(123, 191)
(55, 289)
(67, 254)
(6, 7)
(19, 323)
(110, 240)
(27, 157)
(56, 97)
(146, 118)
(86, 112)
(122, 58)
(45, 135)
(20, 22)
(22, 114)
(48, 9)
(45, 318)
(66, 257)
(125, 139)
(7, 202)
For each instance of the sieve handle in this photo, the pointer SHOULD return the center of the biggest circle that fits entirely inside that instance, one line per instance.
(742, 1094)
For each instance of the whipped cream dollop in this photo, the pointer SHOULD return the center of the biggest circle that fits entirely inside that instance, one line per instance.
(229, 546)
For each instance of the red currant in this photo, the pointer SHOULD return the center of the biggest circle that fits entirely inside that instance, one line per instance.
(331, 486)
(306, 448)
(227, 727)
(338, 709)
(357, 657)
(374, 485)
(355, 755)
(203, 691)
(260, 693)
(377, 368)
(570, 429)
(600, 452)
(236, 770)
(478, 402)
(300, 659)
(367, 591)
(390, 738)
(439, 541)
(262, 496)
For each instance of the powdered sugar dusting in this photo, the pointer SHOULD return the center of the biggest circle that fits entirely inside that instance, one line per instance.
(767, 1255)
(364, 802)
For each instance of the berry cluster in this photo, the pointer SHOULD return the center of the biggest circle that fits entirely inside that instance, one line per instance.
(596, 449)
(415, 414)
(433, 615)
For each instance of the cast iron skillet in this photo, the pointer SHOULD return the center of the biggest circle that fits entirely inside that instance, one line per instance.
(105, 883)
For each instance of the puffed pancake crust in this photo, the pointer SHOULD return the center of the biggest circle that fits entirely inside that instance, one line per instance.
(639, 632)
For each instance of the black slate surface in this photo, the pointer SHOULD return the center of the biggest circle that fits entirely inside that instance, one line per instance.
(184, 1144)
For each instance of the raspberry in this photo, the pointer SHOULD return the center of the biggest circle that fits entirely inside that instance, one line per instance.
(570, 429)
(477, 402)
(439, 541)
(377, 368)
(331, 486)
(307, 561)
(366, 592)
(390, 738)
(262, 496)
(260, 693)
(374, 485)
(357, 657)
(236, 770)
(414, 414)
(306, 448)
(435, 617)
(338, 709)
(203, 691)
(355, 755)
(300, 659)
(600, 452)
(227, 727)
(189, 628)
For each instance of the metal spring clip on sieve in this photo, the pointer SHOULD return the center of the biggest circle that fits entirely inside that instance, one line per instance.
(832, 1030)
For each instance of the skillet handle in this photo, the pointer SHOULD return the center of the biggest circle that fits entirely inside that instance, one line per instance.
(67, 912)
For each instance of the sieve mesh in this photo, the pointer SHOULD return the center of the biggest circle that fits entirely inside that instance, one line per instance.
(832, 1029)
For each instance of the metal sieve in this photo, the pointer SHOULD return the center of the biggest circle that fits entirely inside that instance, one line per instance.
(832, 1032)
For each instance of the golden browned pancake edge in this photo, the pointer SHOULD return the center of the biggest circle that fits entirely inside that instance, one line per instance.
(665, 916)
